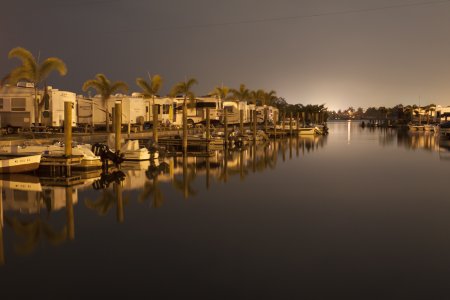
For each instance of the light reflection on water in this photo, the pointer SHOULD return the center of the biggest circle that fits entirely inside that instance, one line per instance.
(356, 211)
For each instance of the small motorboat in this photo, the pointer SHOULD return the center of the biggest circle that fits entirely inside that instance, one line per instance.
(132, 151)
(19, 163)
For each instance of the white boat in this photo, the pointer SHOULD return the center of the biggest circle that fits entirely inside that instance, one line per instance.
(10, 163)
(132, 151)
(413, 127)
(89, 158)
(309, 131)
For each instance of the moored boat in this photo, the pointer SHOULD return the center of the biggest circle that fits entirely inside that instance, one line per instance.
(23, 163)
(132, 151)
(308, 131)
(413, 127)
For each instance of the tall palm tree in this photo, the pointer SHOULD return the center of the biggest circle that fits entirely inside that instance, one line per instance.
(257, 96)
(105, 88)
(242, 94)
(269, 97)
(150, 90)
(221, 92)
(34, 72)
(184, 88)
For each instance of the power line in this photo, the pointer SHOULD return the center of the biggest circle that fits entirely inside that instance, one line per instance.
(298, 17)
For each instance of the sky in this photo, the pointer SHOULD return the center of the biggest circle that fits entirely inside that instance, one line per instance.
(340, 53)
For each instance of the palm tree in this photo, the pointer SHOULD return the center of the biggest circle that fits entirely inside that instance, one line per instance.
(34, 72)
(242, 94)
(150, 90)
(257, 96)
(222, 93)
(185, 88)
(268, 97)
(105, 88)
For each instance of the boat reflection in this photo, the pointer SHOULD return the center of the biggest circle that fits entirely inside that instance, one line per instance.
(28, 203)
(414, 140)
(26, 206)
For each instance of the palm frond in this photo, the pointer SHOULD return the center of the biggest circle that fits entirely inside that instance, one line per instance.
(146, 88)
(92, 83)
(16, 75)
(156, 84)
(119, 86)
(49, 65)
(25, 56)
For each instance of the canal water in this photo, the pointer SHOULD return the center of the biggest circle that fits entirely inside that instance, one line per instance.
(361, 213)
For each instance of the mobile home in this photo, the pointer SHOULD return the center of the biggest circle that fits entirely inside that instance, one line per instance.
(17, 107)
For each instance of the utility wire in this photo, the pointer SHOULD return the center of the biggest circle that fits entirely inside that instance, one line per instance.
(297, 17)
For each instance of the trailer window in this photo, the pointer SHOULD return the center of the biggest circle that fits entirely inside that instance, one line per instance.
(18, 104)
(1, 103)
(166, 108)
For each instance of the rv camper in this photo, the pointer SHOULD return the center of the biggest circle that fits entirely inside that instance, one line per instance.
(17, 107)
(196, 111)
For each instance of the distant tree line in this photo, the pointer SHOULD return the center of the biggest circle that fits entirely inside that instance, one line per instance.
(398, 112)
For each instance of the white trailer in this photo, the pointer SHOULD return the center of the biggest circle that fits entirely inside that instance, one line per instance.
(53, 114)
(92, 112)
(196, 112)
(233, 111)
(17, 108)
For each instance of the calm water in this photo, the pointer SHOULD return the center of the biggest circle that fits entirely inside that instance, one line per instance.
(361, 213)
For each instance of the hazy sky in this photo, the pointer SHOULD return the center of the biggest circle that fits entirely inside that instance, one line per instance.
(338, 52)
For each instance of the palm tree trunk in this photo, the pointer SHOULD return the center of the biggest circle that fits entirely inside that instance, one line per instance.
(107, 115)
(36, 109)
(184, 126)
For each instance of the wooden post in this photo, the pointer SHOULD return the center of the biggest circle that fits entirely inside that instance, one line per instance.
(304, 118)
(297, 124)
(275, 117)
(241, 121)
(118, 124)
(284, 121)
(129, 121)
(92, 117)
(185, 128)
(254, 125)
(155, 123)
(290, 124)
(225, 129)
(107, 115)
(68, 128)
(70, 220)
(208, 124)
(265, 118)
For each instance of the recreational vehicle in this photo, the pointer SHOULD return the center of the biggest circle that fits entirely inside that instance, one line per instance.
(18, 104)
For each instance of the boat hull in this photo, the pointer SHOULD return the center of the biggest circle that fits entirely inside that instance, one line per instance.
(20, 164)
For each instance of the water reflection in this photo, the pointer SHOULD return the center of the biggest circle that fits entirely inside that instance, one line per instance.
(26, 209)
(412, 140)
(30, 209)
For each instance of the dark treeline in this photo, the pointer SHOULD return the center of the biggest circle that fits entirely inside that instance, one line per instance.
(398, 112)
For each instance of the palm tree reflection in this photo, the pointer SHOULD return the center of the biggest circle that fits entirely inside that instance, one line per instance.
(34, 231)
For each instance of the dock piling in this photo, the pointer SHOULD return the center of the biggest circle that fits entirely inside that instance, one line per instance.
(155, 123)
(68, 129)
(225, 129)
(118, 124)
(241, 120)
(208, 124)
(254, 125)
